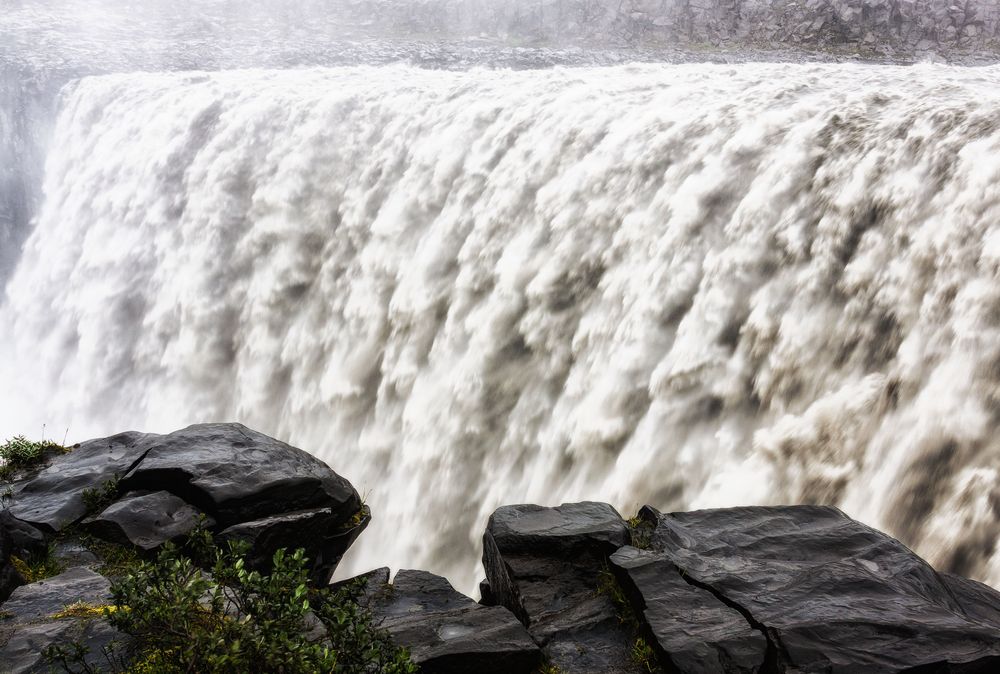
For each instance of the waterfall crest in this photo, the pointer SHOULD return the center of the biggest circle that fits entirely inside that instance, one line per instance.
(684, 285)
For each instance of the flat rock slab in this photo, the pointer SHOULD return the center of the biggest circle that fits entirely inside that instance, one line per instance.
(545, 565)
(54, 498)
(693, 630)
(832, 594)
(147, 520)
(236, 474)
(24, 652)
(448, 633)
(41, 600)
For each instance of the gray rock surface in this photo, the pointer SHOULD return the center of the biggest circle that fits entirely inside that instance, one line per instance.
(237, 475)
(54, 499)
(9, 578)
(147, 520)
(545, 564)
(448, 633)
(323, 534)
(691, 628)
(831, 594)
(249, 485)
(32, 622)
(38, 601)
(24, 652)
(896, 28)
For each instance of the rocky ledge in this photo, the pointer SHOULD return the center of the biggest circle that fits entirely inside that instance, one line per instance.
(572, 589)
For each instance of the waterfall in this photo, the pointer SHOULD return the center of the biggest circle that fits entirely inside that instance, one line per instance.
(684, 285)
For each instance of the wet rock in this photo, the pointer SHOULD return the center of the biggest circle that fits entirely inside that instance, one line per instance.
(365, 584)
(35, 619)
(830, 593)
(26, 540)
(691, 628)
(147, 521)
(54, 498)
(24, 652)
(448, 633)
(37, 601)
(237, 475)
(9, 577)
(253, 487)
(323, 534)
(545, 565)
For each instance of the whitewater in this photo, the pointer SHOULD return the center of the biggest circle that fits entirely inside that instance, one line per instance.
(684, 285)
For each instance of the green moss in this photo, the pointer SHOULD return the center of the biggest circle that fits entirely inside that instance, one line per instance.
(82, 610)
(116, 560)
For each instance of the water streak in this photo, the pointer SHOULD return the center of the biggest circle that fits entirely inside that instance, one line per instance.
(683, 285)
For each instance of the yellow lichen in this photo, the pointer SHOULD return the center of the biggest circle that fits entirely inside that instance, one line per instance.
(81, 609)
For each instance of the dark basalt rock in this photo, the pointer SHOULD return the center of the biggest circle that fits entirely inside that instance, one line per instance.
(448, 633)
(32, 624)
(54, 498)
(249, 485)
(371, 582)
(26, 540)
(831, 594)
(34, 602)
(24, 653)
(691, 628)
(544, 564)
(147, 521)
(9, 577)
(323, 534)
(237, 475)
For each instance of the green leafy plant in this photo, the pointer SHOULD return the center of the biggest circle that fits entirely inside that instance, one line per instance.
(643, 655)
(640, 650)
(116, 560)
(19, 453)
(234, 619)
(641, 532)
(98, 498)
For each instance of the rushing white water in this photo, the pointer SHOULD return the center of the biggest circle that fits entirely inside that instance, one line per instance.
(683, 285)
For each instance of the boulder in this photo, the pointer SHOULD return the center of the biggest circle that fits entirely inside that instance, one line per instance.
(53, 499)
(147, 520)
(545, 565)
(322, 533)
(831, 594)
(237, 475)
(449, 633)
(691, 628)
(246, 484)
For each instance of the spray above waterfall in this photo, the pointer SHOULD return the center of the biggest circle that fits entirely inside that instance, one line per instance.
(683, 285)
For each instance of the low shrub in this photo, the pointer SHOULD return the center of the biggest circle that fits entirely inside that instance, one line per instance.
(234, 620)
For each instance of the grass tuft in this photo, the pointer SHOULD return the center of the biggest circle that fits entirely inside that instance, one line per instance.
(37, 567)
(19, 454)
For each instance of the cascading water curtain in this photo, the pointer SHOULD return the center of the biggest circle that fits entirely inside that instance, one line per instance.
(683, 285)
